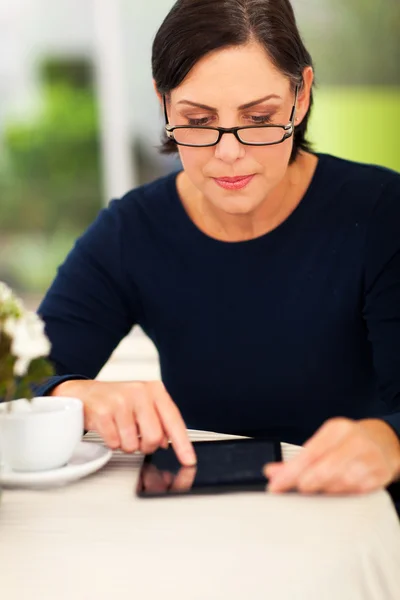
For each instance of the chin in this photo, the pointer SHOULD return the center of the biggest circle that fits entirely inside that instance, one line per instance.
(235, 202)
(236, 205)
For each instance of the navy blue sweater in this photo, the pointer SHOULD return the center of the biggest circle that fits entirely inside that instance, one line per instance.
(270, 336)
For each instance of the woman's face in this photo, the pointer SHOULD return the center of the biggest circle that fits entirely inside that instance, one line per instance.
(223, 82)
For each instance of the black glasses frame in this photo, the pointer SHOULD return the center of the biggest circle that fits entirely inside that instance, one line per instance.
(288, 129)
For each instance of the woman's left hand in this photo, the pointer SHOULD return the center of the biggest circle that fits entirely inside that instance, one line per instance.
(343, 457)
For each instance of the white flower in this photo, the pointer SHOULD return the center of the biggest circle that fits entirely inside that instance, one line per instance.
(29, 341)
(9, 326)
(5, 292)
(10, 305)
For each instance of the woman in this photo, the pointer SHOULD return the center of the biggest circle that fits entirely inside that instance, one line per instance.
(268, 276)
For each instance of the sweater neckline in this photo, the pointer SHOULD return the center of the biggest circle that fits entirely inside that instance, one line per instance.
(196, 233)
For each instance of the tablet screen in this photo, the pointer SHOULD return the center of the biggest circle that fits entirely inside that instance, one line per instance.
(222, 466)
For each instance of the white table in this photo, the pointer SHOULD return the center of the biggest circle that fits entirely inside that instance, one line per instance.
(95, 540)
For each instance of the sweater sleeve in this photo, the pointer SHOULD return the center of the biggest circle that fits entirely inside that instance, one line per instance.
(382, 298)
(88, 310)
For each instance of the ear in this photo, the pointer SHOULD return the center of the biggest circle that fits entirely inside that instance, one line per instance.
(303, 99)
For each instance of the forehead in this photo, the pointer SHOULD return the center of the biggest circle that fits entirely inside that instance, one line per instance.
(239, 73)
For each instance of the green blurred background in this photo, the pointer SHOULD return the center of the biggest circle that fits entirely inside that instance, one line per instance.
(51, 184)
(358, 123)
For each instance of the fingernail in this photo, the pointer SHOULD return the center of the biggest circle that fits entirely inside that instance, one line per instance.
(190, 458)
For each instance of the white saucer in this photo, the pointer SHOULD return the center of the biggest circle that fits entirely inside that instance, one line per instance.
(87, 458)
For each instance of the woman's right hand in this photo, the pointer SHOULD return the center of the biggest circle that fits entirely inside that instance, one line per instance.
(132, 415)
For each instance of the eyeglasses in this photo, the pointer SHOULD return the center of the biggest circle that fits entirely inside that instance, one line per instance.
(199, 136)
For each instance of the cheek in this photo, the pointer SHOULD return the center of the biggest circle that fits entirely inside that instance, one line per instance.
(273, 160)
(194, 159)
(272, 157)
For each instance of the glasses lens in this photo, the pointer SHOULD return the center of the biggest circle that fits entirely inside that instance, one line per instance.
(195, 137)
(262, 135)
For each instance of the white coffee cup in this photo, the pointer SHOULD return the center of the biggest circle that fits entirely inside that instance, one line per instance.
(40, 434)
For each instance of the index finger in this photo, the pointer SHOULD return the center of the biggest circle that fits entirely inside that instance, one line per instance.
(174, 426)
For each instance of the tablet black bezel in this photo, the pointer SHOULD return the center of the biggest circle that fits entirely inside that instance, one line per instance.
(256, 486)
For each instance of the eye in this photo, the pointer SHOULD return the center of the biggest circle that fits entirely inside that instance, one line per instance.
(261, 119)
(199, 122)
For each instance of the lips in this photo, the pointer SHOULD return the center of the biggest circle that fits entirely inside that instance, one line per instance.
(233, 179)
(234, 183)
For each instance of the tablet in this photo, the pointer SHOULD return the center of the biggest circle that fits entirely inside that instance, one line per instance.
(222, 466)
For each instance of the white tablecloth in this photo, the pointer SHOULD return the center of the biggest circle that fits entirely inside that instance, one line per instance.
(95, 540)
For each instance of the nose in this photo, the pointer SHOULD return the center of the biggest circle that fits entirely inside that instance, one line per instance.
(229, 149)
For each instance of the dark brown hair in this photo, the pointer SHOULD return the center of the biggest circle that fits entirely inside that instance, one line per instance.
(194, 28)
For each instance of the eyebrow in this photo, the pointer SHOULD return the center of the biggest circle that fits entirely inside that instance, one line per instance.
(242, 107)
